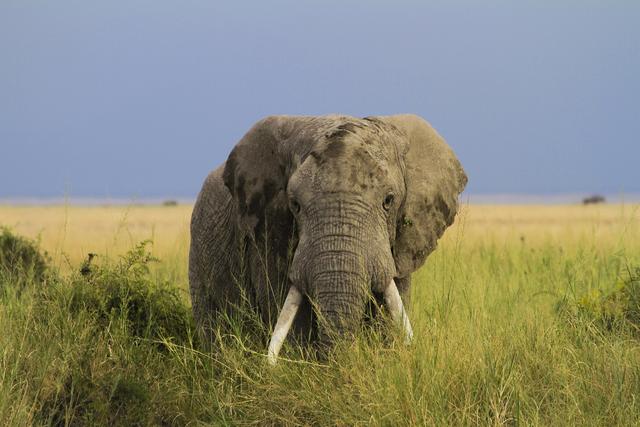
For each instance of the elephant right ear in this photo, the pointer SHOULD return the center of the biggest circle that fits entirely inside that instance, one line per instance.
(256, 173)
(434, 178)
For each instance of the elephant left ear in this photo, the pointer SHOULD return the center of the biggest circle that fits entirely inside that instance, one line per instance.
(434, 179)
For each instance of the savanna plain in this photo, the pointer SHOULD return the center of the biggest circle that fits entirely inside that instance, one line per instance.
(524, 315)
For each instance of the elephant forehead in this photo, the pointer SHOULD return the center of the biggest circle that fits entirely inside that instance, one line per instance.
(345, 165)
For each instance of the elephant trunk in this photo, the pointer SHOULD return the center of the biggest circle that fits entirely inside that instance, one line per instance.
(347, 255)
(340, 260)
(292, 304)
(340, 295)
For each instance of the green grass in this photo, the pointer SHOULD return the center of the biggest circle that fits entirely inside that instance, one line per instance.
(504, 334)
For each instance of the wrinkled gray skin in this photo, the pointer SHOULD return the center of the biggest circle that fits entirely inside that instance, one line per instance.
(335, 205)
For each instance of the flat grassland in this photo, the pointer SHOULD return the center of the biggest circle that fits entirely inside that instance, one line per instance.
(507, 315)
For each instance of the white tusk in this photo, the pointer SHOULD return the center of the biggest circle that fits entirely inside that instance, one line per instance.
(396, 308)
(285, 319)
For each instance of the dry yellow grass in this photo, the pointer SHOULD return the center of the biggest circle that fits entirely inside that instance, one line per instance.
(562, 224)
(77, 230)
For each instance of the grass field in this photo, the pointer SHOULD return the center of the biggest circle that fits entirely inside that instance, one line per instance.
(517, 316)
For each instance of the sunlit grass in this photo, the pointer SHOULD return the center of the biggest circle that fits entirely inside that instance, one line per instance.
(491, 344)
(70, 232)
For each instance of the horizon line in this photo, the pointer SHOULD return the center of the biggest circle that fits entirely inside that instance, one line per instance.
(477, 198)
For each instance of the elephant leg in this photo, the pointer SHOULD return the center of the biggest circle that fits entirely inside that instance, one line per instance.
(270, 286)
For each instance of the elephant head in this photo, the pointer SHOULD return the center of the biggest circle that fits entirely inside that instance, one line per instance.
(365, 201)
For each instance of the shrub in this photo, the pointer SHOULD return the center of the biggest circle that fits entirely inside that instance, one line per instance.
(21, 261)
(127, 292)
(112, 325)
(615, 310)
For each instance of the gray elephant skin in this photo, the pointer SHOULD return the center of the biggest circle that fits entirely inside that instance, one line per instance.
(328, 213)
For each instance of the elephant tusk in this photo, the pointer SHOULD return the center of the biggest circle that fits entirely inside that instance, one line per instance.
(396, 308)
(285, 319)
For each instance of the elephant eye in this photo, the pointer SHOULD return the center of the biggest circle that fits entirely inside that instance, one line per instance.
(295, 206)
(387, 202)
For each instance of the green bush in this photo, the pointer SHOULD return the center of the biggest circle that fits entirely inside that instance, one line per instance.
(106, 321)
(615, 310)
(21, 261)
(127, 291)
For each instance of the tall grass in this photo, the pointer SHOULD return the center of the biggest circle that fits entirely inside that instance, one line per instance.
(501, 337)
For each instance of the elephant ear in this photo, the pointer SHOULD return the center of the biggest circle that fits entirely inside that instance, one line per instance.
(256, 173)
(434, 178)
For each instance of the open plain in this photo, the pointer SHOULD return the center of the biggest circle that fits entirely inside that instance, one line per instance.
(523, 315)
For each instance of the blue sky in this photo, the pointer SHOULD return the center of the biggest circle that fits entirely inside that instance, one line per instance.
(142, 98)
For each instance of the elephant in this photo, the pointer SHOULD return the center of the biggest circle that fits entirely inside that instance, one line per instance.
(311, 218)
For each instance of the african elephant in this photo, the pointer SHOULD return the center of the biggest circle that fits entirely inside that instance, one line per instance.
(312, 218)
